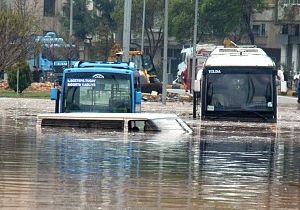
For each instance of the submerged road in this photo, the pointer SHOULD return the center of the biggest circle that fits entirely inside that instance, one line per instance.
(224, 165)
(288, 108)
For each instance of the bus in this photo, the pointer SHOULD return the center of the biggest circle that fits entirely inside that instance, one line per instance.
(53, 55)
(103, 87)
(239, 84)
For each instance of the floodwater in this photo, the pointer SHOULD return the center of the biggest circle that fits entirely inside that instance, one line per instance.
(222, 166)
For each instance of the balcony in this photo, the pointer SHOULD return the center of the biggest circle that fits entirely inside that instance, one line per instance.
(288, 13)
(287, 39)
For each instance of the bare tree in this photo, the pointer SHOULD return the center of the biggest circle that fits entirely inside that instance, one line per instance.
(16, 29)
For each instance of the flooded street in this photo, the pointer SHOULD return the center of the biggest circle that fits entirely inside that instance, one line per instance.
(223, 165)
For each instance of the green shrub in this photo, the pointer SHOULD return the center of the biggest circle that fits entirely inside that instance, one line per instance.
(25, 76)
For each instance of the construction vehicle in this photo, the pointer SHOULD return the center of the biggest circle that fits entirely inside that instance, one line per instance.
(148, 78)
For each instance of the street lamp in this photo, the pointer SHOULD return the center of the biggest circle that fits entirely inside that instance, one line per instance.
(126, 29)
(194, 58)
(71, 20)
(143, 25)
(165, 59)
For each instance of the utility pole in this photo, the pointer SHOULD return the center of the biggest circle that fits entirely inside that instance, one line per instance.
(71, 20)
(143, 25)
(126, 29)
(194, 59)
(165, 59)
(71, 30)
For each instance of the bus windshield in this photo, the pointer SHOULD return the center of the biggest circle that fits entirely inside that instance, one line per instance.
(59, 53)
(97, 92)
(239, 91)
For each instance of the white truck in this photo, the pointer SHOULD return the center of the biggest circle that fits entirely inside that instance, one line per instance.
(184, 74)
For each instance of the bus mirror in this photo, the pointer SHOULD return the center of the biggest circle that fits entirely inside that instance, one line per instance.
(138, 97)
(54, 94)
(197, 85)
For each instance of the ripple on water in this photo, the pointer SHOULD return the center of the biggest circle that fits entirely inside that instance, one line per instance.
(89, 169)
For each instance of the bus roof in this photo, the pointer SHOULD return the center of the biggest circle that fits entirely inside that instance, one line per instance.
(239, 57)
(100, 69)
(95, 64)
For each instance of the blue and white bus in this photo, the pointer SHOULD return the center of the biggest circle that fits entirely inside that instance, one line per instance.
(53, 54)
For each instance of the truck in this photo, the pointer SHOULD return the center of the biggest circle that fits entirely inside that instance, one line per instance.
(102, 87)
(184, 73)
(238, 84)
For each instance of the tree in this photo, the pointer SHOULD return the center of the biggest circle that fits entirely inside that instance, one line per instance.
(153, 22)
(220, 18)
(25, 77)
(181, 22)
(16, 29)
(92, 23)
(106, 26)
(83, 19)
(248, 7)
(217, 18)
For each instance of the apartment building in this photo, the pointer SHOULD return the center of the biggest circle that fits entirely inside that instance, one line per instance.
(276, 29)
(46, 12)
(265, 30)
(288, 18)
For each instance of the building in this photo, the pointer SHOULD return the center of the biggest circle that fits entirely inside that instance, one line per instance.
(265, 29)
(288, 19)
(276, 30)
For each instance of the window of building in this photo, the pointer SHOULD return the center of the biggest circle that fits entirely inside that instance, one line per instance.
(291, 2)
(293, 30)
(263, 29)
(259, 29)
(49, 8)
(284, 29)
(65, 11)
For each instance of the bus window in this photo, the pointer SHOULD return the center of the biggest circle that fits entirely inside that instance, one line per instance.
(239, 91)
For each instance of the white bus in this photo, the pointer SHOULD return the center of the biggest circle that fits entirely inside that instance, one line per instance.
(239, 84)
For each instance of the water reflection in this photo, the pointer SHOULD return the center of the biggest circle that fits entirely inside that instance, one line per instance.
(218, 168)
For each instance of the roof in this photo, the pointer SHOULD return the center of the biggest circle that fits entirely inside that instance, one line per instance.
(199, 49)
(98, 70)
(89, 64)
(60, 118)
(104, 66)
(106, 116)
(239, 57)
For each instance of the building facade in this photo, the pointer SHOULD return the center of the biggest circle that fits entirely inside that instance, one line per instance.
(48, 12)
(276, 29)
(288, 18)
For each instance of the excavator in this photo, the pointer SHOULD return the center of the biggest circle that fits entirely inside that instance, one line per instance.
(149, 81)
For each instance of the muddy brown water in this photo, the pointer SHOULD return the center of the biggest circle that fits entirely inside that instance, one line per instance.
(224, 165)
